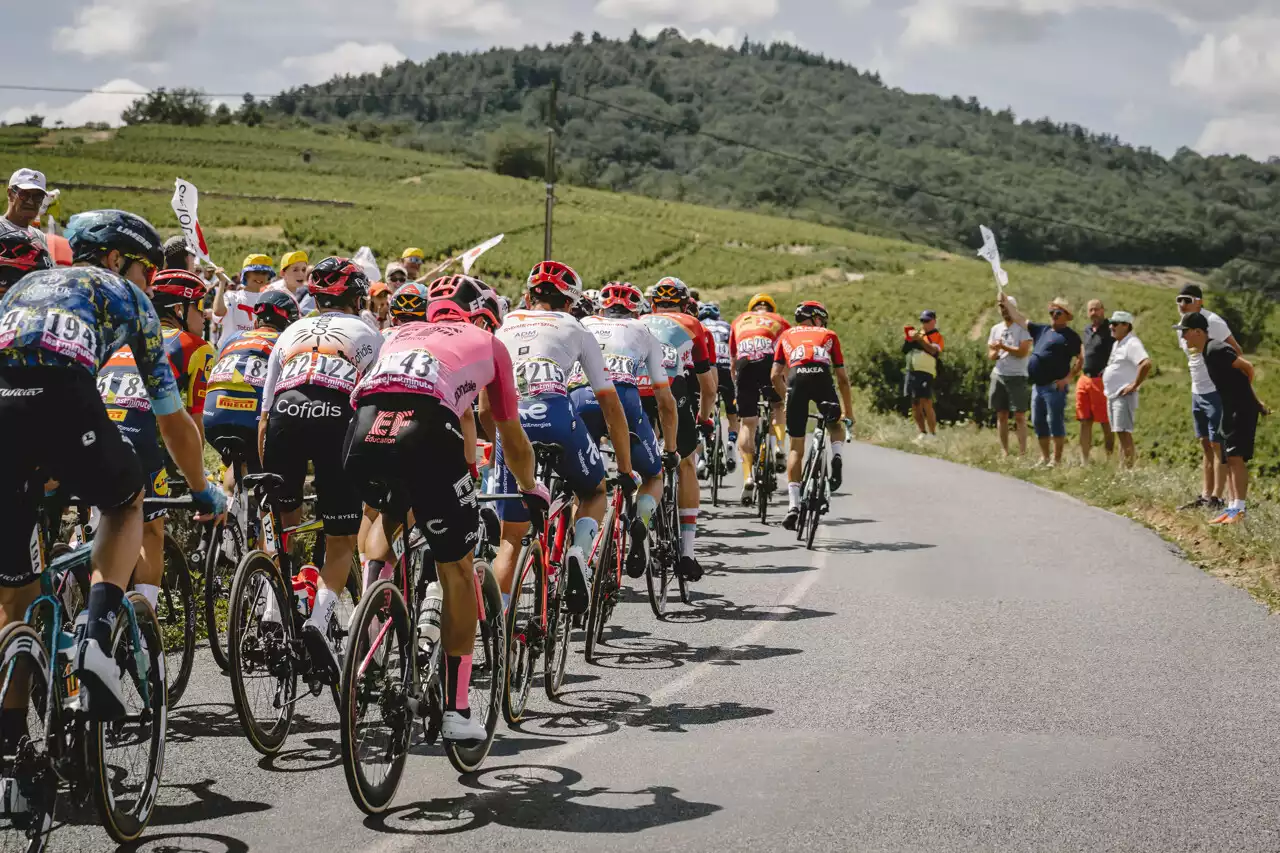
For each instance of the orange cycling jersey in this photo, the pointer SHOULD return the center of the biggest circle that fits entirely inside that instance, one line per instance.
(753, 335)
(803, 346)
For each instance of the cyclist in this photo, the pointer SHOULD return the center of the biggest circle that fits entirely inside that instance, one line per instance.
(810, 351)
(721, 331)
(57, 328)
(686, 344)
(306, 410)
(629, 349)
(752, 340)
(408, 304)
(176, 295)
(234, 401)
(544, 342)
(20, 253)
(412, 429)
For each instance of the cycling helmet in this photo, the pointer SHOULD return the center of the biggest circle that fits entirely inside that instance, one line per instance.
(587, 305)
(809, 310)
(20, 253)
(709, 311)
(409, 303)
(694, 295)
(338, 281)
(764, 298)
(553, 275)
(172, 288)
(277, 308)
(691, 307)
(504, 305)
(96, 232)
(465, 296)
(670, 291)
(622, 294)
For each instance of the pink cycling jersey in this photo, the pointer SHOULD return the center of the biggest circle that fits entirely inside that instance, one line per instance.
(448, 361)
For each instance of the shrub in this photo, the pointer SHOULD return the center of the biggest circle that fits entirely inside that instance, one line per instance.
(1247, 313)
(517, 154)
(878, 365)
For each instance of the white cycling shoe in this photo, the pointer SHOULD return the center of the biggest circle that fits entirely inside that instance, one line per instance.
(99, 673)
(458, 727)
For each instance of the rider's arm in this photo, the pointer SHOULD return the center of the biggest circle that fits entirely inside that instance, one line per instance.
(499, 399)
(180, 433)
(615, 418)
(709, 386)
(668, 417)
(778, 376)
(842, 376)
(182, 439)
(468, 424)
(274, 365)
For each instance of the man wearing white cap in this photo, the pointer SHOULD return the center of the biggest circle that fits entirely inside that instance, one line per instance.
(1009, 346)
(27, 190)
(1127, 368)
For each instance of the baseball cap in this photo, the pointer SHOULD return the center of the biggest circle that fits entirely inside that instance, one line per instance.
(379, 287)
(1191, 290)
(28, 179)
(1121, 317)
(927, 315)
(414, 253)
(291, 258)
(1194, 320)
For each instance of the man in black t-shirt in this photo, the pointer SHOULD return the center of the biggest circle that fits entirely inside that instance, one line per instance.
(1233, 377)
(1091, 399)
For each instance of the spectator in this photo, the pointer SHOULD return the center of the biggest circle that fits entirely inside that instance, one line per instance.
(293, 278)
(1127, 368)
(1009, 345)
(1206, 405)
(1232, 378)
(380, 304)
(396, 274)
(27, 189)
(1091, 400)
(177, 255)
(412, 259)
(922, 347)
(1054, 362)
(235, 307)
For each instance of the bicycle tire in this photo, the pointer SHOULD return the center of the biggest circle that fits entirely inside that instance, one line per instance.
(764, 485)
(382, 617)
(523, 613)
(805, 488)
(817, 498)
(662, 562)
(176, 615)
(606, 567)
(555, 659)
(256, 577)
(123, 823)
(486, 663)
(29, 833)
(219, 574)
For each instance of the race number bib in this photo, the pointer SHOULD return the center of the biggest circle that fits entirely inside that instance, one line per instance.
(124, 390)
(722, 351)
(11, 325)
(416, 370)
(68, 335)
(622, 368)
(755, 348)
(239, 367)
(536, 376)
(313, 368)
(670, 358)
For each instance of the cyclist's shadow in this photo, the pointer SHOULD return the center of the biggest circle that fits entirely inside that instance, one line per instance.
(539, 797)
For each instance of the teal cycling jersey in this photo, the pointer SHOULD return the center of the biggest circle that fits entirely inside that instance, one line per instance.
(77, 317)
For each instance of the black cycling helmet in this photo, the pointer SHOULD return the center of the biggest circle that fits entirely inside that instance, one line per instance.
(338, 281)
(20, 253)
(811, 310)
(277, 309)
(95, 232)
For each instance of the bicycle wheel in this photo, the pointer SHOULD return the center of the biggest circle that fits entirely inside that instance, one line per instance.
(126, 756)
(485, 695)
(264, 682)
(818, 498)
(176, 614)
(524, 631)
(225, 553)
(25, 667)
(665, 555)
(604, 581)
(377, 681)
(764, 483)
(559, 626)
(806, 487)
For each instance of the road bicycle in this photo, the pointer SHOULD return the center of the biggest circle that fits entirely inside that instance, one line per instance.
(538, 618)
(764, 466)
(666, 552)
(814, 499)
(716, 456)
(393, 673)
(266, 653)
(608, 558)
(238, 536)
(67, 754)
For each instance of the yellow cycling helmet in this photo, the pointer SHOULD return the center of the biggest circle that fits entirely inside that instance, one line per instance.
(766, 299)
(292, 258)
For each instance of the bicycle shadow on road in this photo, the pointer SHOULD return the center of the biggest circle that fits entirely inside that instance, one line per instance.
(206, 805)
(628, 649)
(592, 713)
(540, 797)
(219, 719)
(853, 546)
(186, 842)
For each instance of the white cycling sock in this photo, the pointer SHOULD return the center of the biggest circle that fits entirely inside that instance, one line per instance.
(793, 495)
(326, 601)
(837, 447)
(584, 534)
(688, 530)
(645, 506)
(150, 592)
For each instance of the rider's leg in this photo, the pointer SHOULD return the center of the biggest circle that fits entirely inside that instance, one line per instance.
(150, 570)
(504, 564)
(458, 628)
(795, 470)
(14, 602)
(688, 497)
(747, 446)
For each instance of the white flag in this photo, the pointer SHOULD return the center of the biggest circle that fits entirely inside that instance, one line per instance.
(469, 257)
(991, 253)
(186, 198)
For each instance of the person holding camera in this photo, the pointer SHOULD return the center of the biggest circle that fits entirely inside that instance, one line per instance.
(922, 347)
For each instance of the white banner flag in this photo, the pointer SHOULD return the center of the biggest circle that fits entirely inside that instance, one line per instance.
(186, 198)
(470, 255)
(991, 252)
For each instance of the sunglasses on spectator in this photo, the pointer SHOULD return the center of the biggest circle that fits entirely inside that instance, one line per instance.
(1185, 300)
(1057, 312)
(397, 278)
(148, 268)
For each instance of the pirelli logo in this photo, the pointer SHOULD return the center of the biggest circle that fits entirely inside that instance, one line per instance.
(237, 405)
(117, 415)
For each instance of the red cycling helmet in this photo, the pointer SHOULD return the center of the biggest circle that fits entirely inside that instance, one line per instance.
(622, 293)
(20, 254)
(810, 309)
(336, 278)
(463, 297)
(559, 276)
(171, 287)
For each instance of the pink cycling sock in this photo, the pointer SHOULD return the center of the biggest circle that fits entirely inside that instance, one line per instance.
(458, 683)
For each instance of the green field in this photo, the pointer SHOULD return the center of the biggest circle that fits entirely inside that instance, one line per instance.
(399, 197)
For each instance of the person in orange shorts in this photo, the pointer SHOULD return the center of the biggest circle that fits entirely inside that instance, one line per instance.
(1091, 400)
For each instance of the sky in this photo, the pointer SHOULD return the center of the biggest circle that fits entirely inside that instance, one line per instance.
(1163, 73)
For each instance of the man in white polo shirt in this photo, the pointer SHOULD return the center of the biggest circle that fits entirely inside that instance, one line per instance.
(27, 189)
(1127, 368)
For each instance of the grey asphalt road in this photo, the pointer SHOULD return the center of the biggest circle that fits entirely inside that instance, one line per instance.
(966, 663)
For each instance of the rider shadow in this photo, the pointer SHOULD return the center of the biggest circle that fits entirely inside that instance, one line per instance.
(852, 546)
(320, 753)
(716, 567)
(204, 721)
(722, 549)
(628, 649)
(192, 842)
(592, 713)
(207, 805)
(740, 533)
(716, 608)
(536, 797)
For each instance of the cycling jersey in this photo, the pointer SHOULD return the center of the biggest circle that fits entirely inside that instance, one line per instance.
(448, 361)
(753, 335)
(332, 350)
(239, 316)
(645, 458)
(630, 351)
(685, 343)
(804, 347)
(235, 384)
(78, 317)
(721, 332)
(544, 346)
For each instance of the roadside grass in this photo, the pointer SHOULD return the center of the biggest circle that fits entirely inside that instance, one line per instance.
(1243, 555)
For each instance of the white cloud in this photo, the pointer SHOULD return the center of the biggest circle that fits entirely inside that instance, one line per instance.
(429, 18)
(347, 58)
(1239, 65)
(689, 11)
(97, 107)
(787, 36)
(130, 29)
(723, 37)
(1257, 135)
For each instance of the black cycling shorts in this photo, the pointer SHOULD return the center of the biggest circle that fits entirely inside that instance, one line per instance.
(727, 392)
(754, 383)
(309, 424)
(238, 441)
(53, 422)
(809, 384)
(412, 446)
(686, 416)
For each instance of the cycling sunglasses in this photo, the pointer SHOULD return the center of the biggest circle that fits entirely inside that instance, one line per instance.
(1185, 300)
(148, 268)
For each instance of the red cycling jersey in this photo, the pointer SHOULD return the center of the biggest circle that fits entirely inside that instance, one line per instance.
(801, 346)
(753, 335)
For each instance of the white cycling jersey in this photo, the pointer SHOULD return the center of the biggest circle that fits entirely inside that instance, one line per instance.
(630, 350)
(332, 350)
(544, 347)
(720, 330)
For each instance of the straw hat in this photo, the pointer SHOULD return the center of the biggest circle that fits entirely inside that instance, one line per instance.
(1063, 304)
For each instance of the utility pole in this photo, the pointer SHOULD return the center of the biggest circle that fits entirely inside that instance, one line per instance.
(550, 170)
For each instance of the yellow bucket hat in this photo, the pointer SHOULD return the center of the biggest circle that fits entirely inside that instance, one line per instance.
(257, 263)
(415, 253)
(292, 258)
